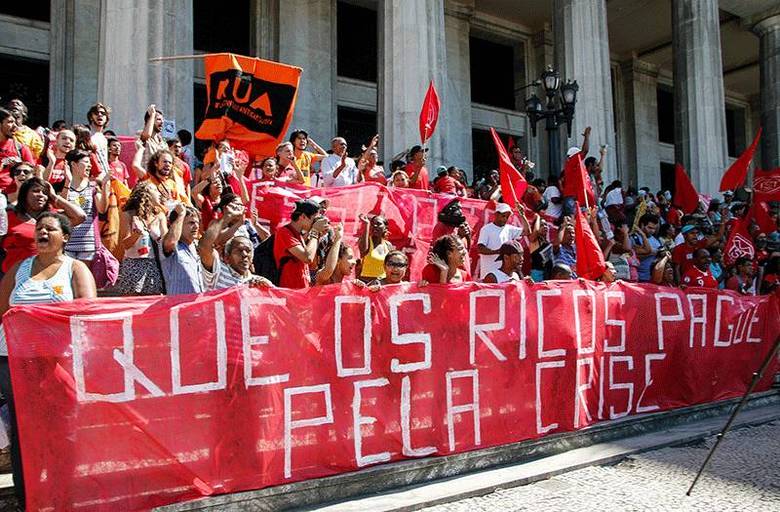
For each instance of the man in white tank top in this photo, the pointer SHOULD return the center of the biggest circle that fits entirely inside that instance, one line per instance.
(510, 255)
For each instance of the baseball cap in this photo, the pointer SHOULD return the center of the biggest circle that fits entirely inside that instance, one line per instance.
(688, 228)
(572, 151)
(416, 149)
(307, 207)
(441, 169)
(509, 248)
(503, 208)
(318, 199)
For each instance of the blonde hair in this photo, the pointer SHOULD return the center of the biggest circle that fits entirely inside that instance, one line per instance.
(142, 201)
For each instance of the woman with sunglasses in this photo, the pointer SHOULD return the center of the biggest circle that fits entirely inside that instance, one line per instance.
(20, 172)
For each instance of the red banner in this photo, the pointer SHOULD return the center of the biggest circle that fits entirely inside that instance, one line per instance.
(411, 214)
(128, 404)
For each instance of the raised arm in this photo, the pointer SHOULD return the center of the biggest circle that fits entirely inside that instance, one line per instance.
(138, 168)
(72, 211)
(171, 238)
(148, 130)
(332, 258)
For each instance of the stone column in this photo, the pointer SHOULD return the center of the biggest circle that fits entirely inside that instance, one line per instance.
(264, 24)
(414, 53)
(640, 159)
(582, 54)
(74, 61)
(699, 103)
(131, 34)
(455, 120)
(768, 31)
(544, 55)
(307, 39)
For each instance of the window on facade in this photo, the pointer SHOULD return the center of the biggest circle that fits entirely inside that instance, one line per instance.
(40, 11)
(667, 177)
(199, 106)
(665, 115)
(483, 151)
(356, 29)
(27, 80)
(357, 127)
(221, 27)
(735, 130)
(492, 73)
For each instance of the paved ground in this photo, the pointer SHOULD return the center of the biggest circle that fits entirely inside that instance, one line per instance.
(743, 475)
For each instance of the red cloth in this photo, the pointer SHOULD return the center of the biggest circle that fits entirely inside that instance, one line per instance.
(221, 422)
(576, 182)
(429, 113)
(760, 212)
(739, 243)
(674, 217)
(19, 243)
(10, 153)
(119, 171)
(682, 254)
(432, 274)
(294, 272)
(422, 180)
(695, 277)
(207, 214)
(445, 185)
(685, 195)
(513, 184)
(735, 175)
(766, 185)
(590, 259)
(184, 170)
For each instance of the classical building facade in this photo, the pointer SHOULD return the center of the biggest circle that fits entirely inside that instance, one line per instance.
(660, 82)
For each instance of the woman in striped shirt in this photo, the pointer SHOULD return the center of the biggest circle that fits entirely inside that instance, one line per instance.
(51, 276)
(92, 197)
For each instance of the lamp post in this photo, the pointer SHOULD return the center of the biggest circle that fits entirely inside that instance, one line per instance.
(558, 109)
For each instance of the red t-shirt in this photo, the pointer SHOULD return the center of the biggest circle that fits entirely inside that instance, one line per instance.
(445, 185)
(682, 254)
(207, 214)
(674, 217)
(184, 171)
(695, 277)
(422, 180)
(294, 273)
(119, 171)
(10, 153)
(432, 274)
(19, 243)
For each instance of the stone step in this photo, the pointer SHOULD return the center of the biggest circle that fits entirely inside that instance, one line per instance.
(688, 423)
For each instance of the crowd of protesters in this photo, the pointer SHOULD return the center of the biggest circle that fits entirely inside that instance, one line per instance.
(76, 222)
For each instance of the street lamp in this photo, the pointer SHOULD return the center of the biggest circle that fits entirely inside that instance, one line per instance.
(558, 109)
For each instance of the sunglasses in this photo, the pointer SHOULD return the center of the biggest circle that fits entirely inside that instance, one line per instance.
(395, 264)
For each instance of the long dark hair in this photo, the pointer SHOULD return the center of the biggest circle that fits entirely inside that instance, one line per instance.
(24, 190)
(443, 245)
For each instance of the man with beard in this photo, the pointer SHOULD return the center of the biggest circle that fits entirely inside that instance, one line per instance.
(180, 262)
(493, 236)
(54, 172)
(236, 267)
(510, 261)
(11, 151)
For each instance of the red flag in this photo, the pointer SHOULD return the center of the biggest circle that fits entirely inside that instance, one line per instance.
(737, 172)
(511, 144)
(513, 184)
(576, 182)
(429, 114)
(760, 212)
(685, 195)
(766, 185)
(590, 259)
(739, 243)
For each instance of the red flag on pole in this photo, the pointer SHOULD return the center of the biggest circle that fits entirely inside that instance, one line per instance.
(511, 144)
(735, 175)
(576, 182)
(429, 114)
(766, 185)
(513, 184)
(685, 196)
(760, 213)
(590, 259)
(739, 243)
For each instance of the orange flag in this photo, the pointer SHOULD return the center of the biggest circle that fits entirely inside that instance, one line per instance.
(250, 101)
(735, 175)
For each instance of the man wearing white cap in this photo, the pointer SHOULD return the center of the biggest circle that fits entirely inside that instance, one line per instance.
(492, 236)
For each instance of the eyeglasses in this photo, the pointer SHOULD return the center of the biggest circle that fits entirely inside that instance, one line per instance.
(396, 264)
(23, 171)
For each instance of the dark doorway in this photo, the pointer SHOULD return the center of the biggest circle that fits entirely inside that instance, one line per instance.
(484, 152)
(357, 127)
(199, 104)
(356, 29)
(667, 178)
(28, 80)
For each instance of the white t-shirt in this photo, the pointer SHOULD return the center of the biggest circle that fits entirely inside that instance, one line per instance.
(493, 237)
(347, 176)
(553, 210)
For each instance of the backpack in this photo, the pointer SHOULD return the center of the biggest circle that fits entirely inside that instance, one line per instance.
(265, 263)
